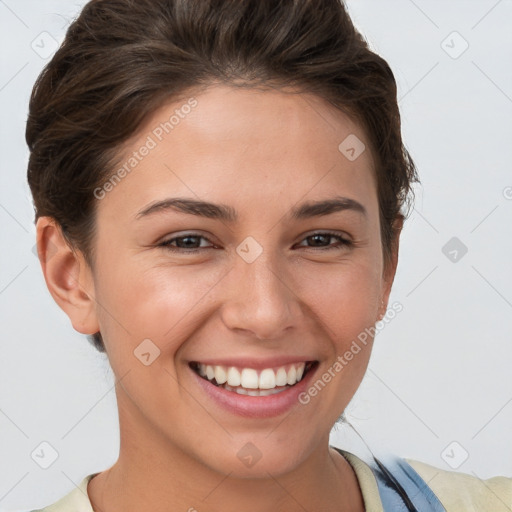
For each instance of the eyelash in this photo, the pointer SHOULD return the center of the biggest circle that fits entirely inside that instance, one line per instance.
(166, 244)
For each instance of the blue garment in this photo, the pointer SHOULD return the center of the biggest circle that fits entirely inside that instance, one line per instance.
(401, 489)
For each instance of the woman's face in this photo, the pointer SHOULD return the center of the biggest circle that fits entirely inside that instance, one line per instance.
(250, 271)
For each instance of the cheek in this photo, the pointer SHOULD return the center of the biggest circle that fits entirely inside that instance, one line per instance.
(159, 303)
(344, 303)
(345, 297)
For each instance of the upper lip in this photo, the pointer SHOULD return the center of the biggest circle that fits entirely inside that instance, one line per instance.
(257, 364)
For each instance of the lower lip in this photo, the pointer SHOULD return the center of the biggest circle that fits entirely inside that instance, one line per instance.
(256, 406)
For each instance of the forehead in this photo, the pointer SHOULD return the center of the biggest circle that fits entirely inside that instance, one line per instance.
(229, 143)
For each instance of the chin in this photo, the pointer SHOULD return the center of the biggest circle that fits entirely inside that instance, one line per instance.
(257, 458)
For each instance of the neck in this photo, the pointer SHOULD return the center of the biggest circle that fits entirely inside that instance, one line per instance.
(153, 473)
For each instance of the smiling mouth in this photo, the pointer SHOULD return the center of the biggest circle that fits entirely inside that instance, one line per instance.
(252, 382)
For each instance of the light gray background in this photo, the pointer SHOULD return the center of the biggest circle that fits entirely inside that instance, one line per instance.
(440, 371)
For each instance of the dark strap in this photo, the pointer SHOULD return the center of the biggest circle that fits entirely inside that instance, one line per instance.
(401, 488)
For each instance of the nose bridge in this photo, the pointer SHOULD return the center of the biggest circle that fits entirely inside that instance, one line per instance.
(260, 299)
(263, 277)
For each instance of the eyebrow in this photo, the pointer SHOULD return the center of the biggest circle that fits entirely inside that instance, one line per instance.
(227, 213)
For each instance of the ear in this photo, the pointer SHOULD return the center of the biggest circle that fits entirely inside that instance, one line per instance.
(68, 276)
(389, 272)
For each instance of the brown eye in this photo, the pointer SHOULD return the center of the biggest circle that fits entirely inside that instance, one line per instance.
(190, 242)
(321, 241)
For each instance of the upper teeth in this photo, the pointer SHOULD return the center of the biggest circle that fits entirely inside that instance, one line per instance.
(249, 378)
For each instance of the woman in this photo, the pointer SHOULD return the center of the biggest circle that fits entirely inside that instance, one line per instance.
(220, 189)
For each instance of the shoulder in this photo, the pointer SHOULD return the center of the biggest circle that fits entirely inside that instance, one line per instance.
(466, 493)
(391, 482)
(76, 500)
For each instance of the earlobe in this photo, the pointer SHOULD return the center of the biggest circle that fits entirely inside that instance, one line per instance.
(67, 275)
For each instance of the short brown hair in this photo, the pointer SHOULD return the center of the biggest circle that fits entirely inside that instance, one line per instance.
(121, 59)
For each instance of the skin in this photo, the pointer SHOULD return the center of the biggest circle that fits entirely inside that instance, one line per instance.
(261, 152)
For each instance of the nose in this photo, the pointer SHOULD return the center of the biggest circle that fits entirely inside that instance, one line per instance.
(259, 299)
